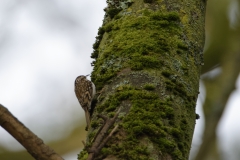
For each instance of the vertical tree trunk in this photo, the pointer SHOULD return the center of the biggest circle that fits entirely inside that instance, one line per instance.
(148, 56)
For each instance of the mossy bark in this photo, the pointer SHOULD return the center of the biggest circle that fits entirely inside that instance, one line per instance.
(148, 55)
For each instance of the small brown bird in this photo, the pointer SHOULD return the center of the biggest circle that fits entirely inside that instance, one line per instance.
(85, 91)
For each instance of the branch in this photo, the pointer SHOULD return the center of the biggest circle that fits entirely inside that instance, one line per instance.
(25, 137)
(218, 92)
(99, 142)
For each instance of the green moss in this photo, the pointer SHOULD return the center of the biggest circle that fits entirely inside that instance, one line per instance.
(177, 154)
(94, 124)
(105, 151)
(117, 17)
(145, 118)
(179, 51)
(169, 85)
(149, 86)
(182, 46)
(138, 42)
(169, 113)
(83, 155)
(166, 73)
(111, 114)
(101, 30)
(112, 12)
(108, 27)
(139, 62)
(91, 135)
(130, 151)
(97, 43)
(146, 12)
(149, 1)
(184, 121)
(170, 17)
(180, 89)
(176, 133)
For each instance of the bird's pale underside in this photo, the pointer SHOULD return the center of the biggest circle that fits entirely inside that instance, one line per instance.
(85, 91)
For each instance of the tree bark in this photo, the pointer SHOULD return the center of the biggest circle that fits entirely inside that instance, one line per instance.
(148, 56)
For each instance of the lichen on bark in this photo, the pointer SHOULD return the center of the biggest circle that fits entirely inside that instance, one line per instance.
(147, 63)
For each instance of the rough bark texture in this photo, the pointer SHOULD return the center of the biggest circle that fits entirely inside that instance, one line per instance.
(148, 55)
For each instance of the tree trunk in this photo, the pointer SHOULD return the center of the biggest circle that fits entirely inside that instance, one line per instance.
(148, 57)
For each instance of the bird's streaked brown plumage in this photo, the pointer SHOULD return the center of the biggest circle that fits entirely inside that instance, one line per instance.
(85, 91)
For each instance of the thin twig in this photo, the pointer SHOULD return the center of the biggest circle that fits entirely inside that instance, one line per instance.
(84, 144)
(108, 137)
(99, 141)
(103, 117)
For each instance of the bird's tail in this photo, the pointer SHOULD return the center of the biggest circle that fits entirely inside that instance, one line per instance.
(87, 115)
